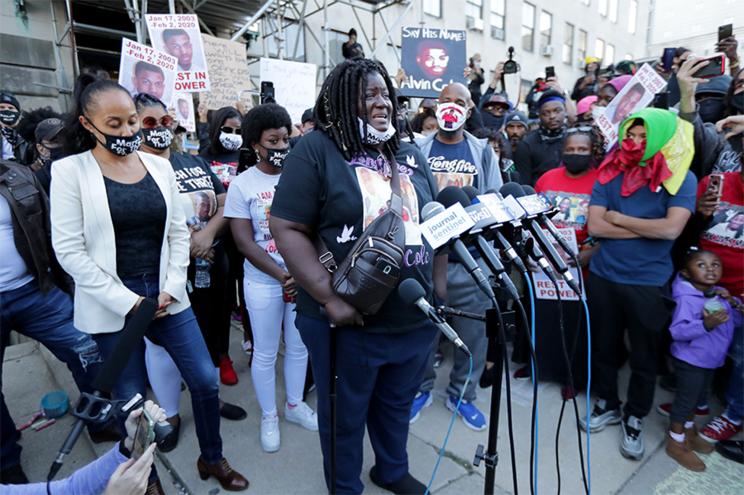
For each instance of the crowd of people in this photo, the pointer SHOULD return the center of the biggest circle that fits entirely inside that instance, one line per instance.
(101, 208)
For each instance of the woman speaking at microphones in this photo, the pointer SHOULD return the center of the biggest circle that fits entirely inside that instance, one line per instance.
(336, 183)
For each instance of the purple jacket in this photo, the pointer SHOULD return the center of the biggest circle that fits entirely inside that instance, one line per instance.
(692, 343)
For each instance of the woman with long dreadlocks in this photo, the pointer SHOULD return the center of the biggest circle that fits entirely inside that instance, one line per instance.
(335, 182)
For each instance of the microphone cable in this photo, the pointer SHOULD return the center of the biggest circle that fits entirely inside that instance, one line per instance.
(529, 328)
(451, 424)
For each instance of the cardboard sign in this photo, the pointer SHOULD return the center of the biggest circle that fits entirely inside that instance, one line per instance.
(294, 84)
(637, 94)
(179, 35)
(228, 72)
(442, 227)
(544, 288)
(183, 104)
(143, 69)
(432, 59)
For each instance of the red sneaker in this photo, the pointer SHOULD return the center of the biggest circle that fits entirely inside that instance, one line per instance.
(665, 409)
(522, 373)
(720, 428)
(227, 372)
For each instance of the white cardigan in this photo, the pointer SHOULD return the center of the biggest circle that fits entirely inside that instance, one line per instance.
(85, 244)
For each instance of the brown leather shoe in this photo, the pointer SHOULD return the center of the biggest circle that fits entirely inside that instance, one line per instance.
(154, 488)
(681, 453)
(696, 442)
(229, 479)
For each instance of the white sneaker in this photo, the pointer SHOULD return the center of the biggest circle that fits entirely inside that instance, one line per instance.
(303, 415)
(270, 438)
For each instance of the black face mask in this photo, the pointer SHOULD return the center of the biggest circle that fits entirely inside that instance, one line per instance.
(711, 110)
(275, 157)
(737, 101)
(119, 145)
(490, 121)
(9, 117)
(576, 164)
(158, 138)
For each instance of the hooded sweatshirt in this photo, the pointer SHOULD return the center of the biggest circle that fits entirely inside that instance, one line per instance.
(692, 343)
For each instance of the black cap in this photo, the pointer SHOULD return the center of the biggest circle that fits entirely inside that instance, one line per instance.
(48, 129)
(516, 117)
(718, 85)
(10, 99)
(307, 115)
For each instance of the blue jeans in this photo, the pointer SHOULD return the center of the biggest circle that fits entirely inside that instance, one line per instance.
(378, 376)
(179, 334)
(735, 391)
(46, 318)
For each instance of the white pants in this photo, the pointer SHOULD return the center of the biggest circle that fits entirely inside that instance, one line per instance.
(267, 311)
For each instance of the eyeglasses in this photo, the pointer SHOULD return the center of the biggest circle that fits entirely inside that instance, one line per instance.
(230, 130)
(582, 128)
(152, 122)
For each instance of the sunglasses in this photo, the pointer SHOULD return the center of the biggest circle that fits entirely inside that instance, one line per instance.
(583, 128)
(152, 122)
(230, 130)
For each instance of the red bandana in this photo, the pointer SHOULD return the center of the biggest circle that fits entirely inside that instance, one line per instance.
(627, 160)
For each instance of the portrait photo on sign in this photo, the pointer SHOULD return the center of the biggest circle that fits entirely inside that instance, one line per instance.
(183, 104)
(432, 59)
(180, 36)
(143, 69)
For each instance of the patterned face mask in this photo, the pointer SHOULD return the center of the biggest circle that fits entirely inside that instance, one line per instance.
(372, 136)
(119, 145)
(158, 138)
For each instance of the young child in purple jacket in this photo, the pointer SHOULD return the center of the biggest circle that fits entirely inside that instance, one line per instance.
(702, 329)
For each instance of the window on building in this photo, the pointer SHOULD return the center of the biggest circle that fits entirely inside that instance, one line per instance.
(613, 10)
(528, 26)
(599, 47)
(474, 9)
(568, 44)
(602, 7)
(632, 16)
(610, 53)
(581, 45)
(498, 18)
(546, 28)
(433, 7)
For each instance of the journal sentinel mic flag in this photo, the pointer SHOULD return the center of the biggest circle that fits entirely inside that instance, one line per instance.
(432, 59)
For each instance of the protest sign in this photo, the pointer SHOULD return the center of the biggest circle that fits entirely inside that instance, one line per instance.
(637, 94)
(179, 35)
(228, 72)
(183, 104)
(432, 58)
(544, 288)
(294, 84)
(143, 69)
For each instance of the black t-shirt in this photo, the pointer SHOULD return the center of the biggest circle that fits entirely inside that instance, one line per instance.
(321, 189)
(536, 154)
(199, 188)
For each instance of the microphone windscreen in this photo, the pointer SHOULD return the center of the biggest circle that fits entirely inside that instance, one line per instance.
(511, 189)
(430, 209)
(451, 195)
(528, 189)
(471, 192)
(410, 291)
(128, 341)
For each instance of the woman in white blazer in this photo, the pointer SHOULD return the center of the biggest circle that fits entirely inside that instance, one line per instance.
(119, 231)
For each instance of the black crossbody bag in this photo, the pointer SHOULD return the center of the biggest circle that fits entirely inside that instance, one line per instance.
(372, 269)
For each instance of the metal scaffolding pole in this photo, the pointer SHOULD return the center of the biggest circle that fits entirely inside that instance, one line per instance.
(253, 19)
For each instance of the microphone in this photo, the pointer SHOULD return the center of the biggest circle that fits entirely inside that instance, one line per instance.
(104, 382)
(411, 292)
(548, 225)
(539, 235)
(447, 197)
(509, 250)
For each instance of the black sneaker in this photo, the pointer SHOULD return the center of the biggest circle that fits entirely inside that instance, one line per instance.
(232, 412)
(601, 417)
(407, 485)
(732, 450)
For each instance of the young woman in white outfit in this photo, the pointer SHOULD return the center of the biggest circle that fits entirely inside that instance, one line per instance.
(269, 288)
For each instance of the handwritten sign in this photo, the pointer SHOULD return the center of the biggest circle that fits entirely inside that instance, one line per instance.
(432, 59)
(228, 72)
(143, 69)
(637, 94)
(544, 288)
(179, 35)
(448, 224)
(294, 84)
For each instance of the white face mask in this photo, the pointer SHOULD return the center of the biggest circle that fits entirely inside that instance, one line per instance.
(373, 136)
(451, 116)
(231, 142)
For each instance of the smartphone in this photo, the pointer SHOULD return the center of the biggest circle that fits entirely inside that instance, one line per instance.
(667, 58)
(267, 92)
(716, 67)
(715, 184)
(549, 72)
(144, 435)
(725, 31)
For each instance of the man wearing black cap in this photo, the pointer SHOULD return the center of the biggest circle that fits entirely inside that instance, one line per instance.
(516, 126)
(540, 150)
(12, 145)
(493, 110)
(48, 148)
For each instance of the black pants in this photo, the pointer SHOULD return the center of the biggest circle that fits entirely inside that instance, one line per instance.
(693, 383)
(212, 305)
(641, 310)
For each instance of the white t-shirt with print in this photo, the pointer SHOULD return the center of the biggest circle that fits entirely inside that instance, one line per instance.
(249, 197)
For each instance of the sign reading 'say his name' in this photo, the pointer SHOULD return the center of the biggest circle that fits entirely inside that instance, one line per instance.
(432, 59)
